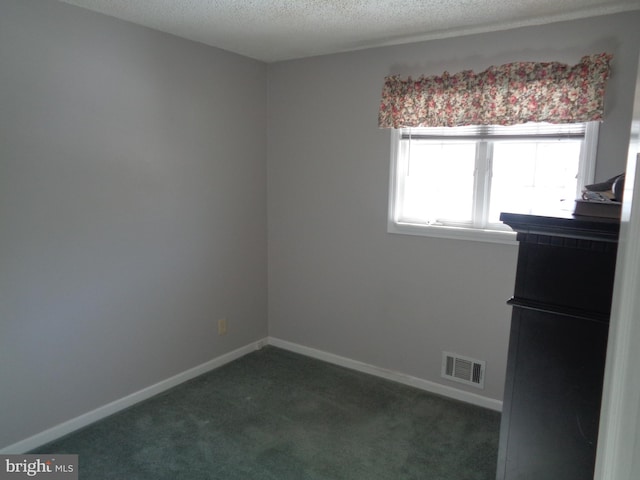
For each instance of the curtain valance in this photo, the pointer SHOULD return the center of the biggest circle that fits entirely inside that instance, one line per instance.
(508, 94)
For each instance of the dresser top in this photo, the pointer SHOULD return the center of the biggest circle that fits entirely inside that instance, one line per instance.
(564, 224)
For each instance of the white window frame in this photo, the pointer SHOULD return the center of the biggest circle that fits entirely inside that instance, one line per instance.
(586, 175)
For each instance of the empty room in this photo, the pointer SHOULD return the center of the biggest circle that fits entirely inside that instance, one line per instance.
(319, 240)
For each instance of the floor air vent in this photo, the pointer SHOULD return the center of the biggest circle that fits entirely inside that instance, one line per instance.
(463, 369)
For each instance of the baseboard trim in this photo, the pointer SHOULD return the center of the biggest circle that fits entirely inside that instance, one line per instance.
(99, 413)
(104, 411)
(420, 383)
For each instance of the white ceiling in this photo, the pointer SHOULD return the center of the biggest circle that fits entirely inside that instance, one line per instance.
(273, 30)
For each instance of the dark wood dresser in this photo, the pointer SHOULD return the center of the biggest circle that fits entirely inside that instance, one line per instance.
(557, 346)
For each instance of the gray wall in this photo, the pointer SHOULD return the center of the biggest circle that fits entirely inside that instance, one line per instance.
(337, 281)
(132, 209)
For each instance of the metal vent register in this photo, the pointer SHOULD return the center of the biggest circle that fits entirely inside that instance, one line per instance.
(463, 369)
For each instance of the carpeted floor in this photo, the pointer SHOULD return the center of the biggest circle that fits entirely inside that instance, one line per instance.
(276, 415)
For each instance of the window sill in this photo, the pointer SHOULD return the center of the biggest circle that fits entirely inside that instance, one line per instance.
(457, 233)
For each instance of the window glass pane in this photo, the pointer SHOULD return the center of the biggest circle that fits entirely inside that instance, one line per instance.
(467, 176)
(439, 181)
(533, 176)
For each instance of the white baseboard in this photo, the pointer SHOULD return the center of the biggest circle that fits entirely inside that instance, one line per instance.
(101, 412)
(420, 383)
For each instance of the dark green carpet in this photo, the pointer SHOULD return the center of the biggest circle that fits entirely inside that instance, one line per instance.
(276, 415)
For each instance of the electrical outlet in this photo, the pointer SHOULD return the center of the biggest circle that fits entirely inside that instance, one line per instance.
(222, 326)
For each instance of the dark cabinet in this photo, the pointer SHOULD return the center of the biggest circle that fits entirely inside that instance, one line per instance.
(557, 346)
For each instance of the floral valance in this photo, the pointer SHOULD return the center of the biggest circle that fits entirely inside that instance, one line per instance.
(509, 94)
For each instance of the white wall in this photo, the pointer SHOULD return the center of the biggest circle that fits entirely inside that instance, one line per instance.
(337, 281)
(132, 209)
(619, 440)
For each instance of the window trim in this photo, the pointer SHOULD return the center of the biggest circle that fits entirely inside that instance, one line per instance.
(586, 175)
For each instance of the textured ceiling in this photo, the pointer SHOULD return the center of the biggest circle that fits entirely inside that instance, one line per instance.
(272, 30)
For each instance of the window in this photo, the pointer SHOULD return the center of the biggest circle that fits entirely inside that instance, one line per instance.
(455, 181)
